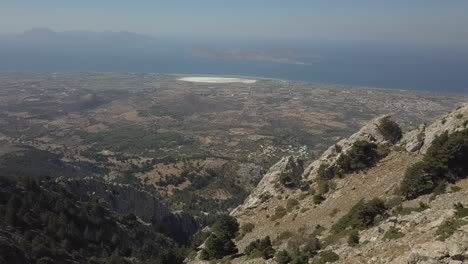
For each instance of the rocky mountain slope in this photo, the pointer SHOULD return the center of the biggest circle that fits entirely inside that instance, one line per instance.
(66, 220)
(350, 201)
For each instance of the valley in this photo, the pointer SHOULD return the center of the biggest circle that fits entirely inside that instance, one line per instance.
(202, 146)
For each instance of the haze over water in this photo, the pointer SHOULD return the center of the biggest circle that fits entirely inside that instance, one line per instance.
(438, 69)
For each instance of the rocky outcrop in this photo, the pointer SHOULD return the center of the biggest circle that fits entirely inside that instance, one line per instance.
(121, 198)
(368, 133)
(124, 198)
(420, 139)
(265, 189)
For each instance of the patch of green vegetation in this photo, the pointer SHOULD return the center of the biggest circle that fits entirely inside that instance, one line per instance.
(134, 140)
(400, 210)
(326, 172)
(53, 224)
(393, 202)
(333, 238)
(353, 238)
(382, 151)
(455, 188)
(290, 180)
(36, 163)
(280, 212)
(219, 244)
(389, 129)
(361, 156)
(260, 248)
(245, 229)
(283, 236)
(326, 257)
(283, 257)
(459, 116)
(302, 196)
(323, 187)
(159, 110)
(274, 100)
(399, 148)
(393, 234)
(449, 227)
(302, 247)
(361, 216)
(445, 161)
(318, 199)
(291, 204)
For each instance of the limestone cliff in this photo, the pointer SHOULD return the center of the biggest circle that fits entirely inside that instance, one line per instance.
(124, 198)
(265, 189)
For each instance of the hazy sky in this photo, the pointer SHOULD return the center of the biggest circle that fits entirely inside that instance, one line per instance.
(437, 21)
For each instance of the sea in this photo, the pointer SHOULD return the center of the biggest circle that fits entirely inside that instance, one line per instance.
(436, 69)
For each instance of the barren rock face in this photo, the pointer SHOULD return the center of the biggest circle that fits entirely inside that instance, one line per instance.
(266, 187)
(420, 139)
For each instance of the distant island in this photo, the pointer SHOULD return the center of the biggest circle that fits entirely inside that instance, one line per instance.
(281, 56)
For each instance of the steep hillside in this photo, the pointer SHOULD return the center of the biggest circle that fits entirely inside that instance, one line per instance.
(87, 221)
(349, 206)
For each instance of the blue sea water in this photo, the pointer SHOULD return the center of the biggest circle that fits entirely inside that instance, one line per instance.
(435, 69)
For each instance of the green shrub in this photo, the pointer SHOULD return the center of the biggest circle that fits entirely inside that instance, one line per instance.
(326, 172)
(300, 259)
(455, 188)
(283, 236)
(226, 226)
(291, 204)
(400, 210)
(326, 257)
(461, 211)
(219, 244)
(283, 257)
(261, 248)
(280, 212)
(217, 247)
(361, 156)
(451, 225)
(311, 247)
(389, 129)
(353, 238)
(399, 148)
(361, 216)
(393, 202)
(393, 234)
(382, 151)
(318, 199)
(290, 180)
(445, 161)
(247, 228)
(323, 186)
